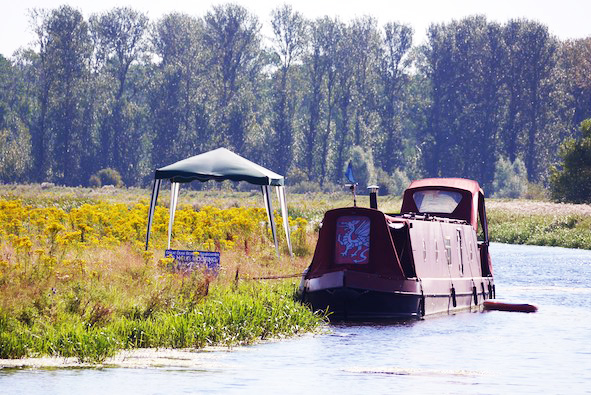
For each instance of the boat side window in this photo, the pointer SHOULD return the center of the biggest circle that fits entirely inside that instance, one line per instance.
(447, 243)
(436, 201)
(480, 234)
(482, 221)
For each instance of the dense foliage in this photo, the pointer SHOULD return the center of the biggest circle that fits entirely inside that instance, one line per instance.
(118, 91)
(571, 180)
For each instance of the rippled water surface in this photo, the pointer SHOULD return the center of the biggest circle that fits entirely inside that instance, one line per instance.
(478, 352)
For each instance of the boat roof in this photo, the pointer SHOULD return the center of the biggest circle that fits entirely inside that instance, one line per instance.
(457, 183)
(467, 208)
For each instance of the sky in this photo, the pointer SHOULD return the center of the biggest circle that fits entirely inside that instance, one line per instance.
(567, 19)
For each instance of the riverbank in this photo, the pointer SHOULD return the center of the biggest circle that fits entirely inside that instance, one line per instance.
(540, 223)
(75, 280)
(226, 317)
(194, 359)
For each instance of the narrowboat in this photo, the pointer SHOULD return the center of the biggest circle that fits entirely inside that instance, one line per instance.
(431, 258)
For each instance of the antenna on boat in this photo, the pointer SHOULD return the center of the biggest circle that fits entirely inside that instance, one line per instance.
(352, 184)
(353, 188)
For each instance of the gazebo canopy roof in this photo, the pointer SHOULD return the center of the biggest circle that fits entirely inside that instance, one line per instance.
(220, 164)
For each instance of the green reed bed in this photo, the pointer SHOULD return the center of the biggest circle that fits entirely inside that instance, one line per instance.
(570, 230)
(230, 315)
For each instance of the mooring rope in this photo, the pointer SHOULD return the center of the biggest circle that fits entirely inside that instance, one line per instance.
(278, 277)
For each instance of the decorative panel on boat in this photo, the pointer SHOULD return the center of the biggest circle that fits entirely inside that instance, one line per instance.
(352, 240)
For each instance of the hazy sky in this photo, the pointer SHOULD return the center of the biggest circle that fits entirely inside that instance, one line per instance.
(564, 18)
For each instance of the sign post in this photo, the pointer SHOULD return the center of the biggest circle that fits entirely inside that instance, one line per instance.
(188, 260)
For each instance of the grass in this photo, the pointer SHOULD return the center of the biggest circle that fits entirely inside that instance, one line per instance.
(228, 317)
(566, 230)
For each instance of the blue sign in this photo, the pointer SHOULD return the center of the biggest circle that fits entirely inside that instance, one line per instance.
(187, 260)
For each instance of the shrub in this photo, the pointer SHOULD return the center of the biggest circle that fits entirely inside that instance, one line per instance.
(363, 168)
(393, 184)
(536, 192)
(510, 179)
(15, 150)
(106, 176)
(570, 181)
(94, 181)
(296, 176)
(305, 187)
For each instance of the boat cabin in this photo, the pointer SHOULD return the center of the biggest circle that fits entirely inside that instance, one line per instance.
(453, 198)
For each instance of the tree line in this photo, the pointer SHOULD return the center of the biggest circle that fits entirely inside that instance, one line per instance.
(118, 91)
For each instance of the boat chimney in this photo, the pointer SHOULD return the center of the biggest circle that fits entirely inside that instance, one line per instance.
(373, 196)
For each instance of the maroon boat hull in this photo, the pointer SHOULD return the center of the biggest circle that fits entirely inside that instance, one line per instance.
(351, 304)
(356, 296)
(350, 295)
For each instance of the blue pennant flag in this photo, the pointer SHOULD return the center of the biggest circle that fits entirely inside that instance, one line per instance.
(349, 174)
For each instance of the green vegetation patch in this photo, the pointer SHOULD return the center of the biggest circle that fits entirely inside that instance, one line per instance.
(570, 231)
(230, 315)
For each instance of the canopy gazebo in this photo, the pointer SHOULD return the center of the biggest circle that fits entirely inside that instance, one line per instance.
(219, 165)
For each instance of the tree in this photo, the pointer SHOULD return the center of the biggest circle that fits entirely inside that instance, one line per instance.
(315, 69)
(396, 43)
(345, 96)
(438, 67)
(332, 35)
(365, 57)
(120, 40)
(15, 139)
(231, 41)
(495, 90)
(289, 29)
(5, 73)
(62, 131)
(464, 61)
(356, 93)
(109, 92)
(535, 114)
(576, 65)
(570, 180)
(179, 101)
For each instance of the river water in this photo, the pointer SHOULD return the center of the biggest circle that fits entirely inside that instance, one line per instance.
(472, 352)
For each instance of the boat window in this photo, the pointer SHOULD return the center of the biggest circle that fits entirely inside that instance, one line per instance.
(447, 243)
(436, 201)
(460, 250)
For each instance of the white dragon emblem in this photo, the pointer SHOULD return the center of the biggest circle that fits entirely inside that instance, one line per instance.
(355, 238)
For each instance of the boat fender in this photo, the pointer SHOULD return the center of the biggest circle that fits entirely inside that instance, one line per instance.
(453, 297)
(422, 302)
(475, 294)
(508, 306)
(421, 312)
(483, 291)
(494, 293)
(490, 293)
